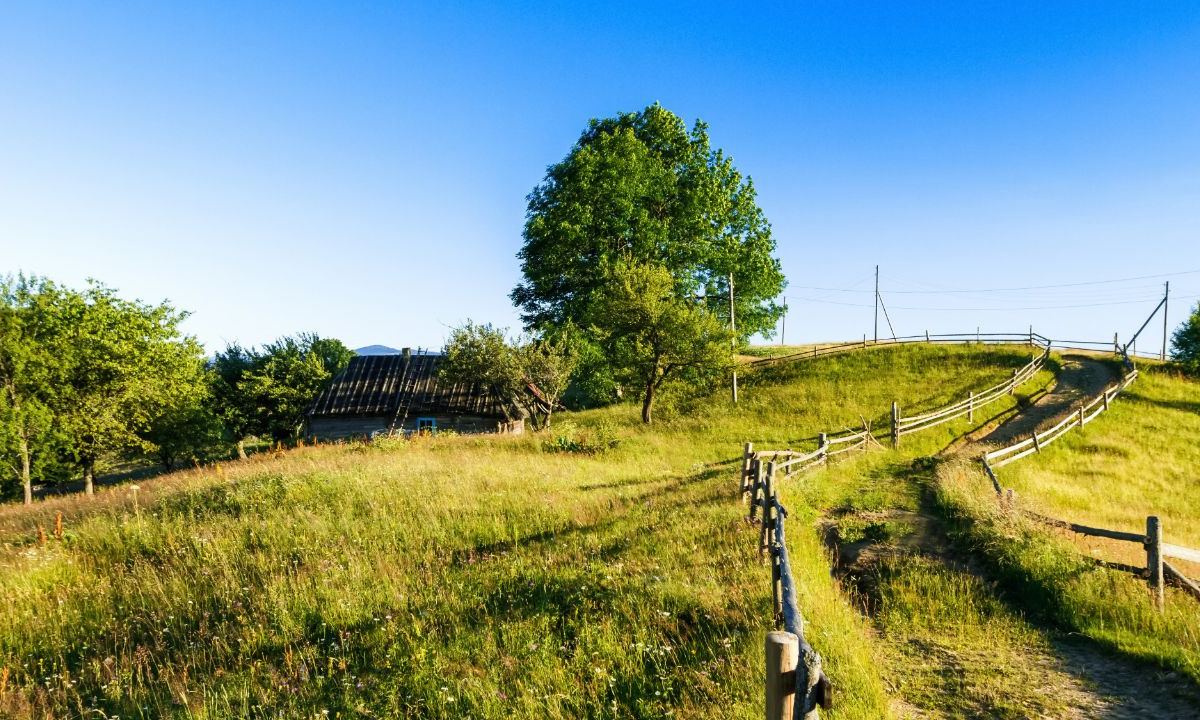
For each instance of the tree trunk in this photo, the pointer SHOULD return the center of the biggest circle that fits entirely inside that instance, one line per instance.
(241, 449)
(27, 474)
(648, 403)
(89, 477)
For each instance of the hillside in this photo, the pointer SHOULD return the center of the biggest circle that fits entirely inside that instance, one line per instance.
(504, 577)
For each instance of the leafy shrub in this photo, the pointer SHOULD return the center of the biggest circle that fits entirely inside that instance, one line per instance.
(569, 437)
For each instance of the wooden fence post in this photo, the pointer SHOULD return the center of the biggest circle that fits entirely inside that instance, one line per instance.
(1116, 345)
(1154, 561)
(1105, 396)
(768, 494)
(1037, 445)
(756, 488)
(747, 463)
(895, 425)
(926, 336)
(1012, 388)
(823, 444)
(971, 406)
(1081, 416)
(1031, 335)
(783, 655)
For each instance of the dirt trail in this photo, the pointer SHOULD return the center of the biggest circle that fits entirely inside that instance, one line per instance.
(1080, 379)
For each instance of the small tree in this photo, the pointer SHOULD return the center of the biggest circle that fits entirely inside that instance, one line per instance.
(1185, 342)
(654, 335)
(226, 397)
(547, 365)
(266, 392)
(532, 373)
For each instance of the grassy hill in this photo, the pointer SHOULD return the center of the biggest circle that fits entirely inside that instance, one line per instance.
(494, 577)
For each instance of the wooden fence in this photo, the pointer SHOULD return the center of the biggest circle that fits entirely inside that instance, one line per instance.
(1156, 550)
(967, 407)
(1038, 440)
(796, 685)
(1029, 338)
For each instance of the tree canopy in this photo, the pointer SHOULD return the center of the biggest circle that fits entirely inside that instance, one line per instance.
(641, 188)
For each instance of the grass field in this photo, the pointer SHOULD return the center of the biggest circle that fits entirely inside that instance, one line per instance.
(459, 576)
(1138, 459)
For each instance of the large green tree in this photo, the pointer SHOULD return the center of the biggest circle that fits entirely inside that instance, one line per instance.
(652, 335)
(1185, 342)
(641, 188)
(125, 363)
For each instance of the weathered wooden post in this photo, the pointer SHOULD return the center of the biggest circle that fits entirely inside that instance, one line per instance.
(1116, 345)
(926, 336)
(971, 406)
(783, 655)
(895, 425)
(747, 463)
(757, 487)
(1012, 388)
(1081, 416)
(823, 444)
(1105, 396)
(1037, 445)
(1154, 561)
(768, 493)
(1031, 335)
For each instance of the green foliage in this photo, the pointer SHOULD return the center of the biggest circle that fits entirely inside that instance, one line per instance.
(641, 189)
(483, 356)
(651, 335)
(593, 440)
(126, 361)
(86, 372)
(1185, 342)
(285, 377)
(266, 392)
(28, 369)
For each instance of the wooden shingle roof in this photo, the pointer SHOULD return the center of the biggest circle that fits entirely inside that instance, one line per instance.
(396, 385)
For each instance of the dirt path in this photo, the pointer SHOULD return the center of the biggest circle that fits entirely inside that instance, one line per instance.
(1080, 379)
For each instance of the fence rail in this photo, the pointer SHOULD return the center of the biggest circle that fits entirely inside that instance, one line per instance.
(1084, 415)
(796, 684)
(974, 401)
(817, 351)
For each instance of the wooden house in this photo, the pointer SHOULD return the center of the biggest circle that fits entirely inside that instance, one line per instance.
(404, 392)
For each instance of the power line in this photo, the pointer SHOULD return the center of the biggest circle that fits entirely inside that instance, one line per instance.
(1010, 289)
(992, 309)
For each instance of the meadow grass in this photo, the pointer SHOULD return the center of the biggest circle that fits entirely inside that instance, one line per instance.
(479, 577)
(1043, 571)
(1140, 458)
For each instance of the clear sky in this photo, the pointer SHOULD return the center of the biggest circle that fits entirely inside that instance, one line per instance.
(360, 169)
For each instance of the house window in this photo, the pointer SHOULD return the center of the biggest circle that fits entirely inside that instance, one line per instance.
(426, 425)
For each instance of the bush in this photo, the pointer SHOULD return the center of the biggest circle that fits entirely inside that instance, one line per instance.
(569, 437)
(1185, 343)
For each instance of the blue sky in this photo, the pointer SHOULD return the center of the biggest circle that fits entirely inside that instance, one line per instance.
(360, 169)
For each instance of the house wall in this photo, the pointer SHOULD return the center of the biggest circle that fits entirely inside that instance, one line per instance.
(337, 428)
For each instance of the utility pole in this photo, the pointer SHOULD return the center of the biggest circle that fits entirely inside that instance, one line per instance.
(877, 303)
(733, 340)
(1166, 297)
(783, 330)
